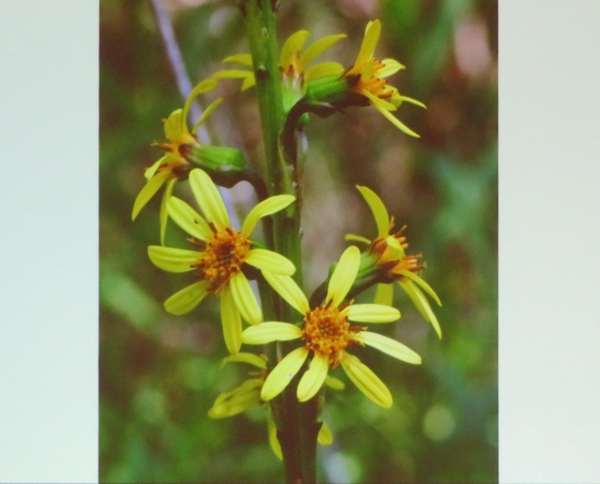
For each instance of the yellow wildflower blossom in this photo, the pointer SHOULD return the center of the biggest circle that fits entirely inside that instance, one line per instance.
(326, 334)
(391, 257)
(173, 166)
(247, 396)
(371, 74)
(293, 64)
(221, 256)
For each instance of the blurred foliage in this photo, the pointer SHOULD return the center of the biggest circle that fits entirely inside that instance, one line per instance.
(159, 374)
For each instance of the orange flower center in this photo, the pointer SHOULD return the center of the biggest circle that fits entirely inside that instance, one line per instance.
(327, 332)
(224, 254)
(392, 264)
(371, 83)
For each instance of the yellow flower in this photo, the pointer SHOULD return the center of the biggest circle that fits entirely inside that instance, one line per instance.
(173, 166)
(391, 257)
(247, 396)
(293, 62)
(371, 74)
(223, 253)
(326, 334)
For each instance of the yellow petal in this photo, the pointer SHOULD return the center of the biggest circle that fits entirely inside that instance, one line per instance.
(413, 101)
(370, 40)
(171, 259)
(248, 82)
(371, 313)
(283, 373)
(334, 383)
(423, 284)
(344, 275)
(396, 122)
(422, 304)
(390, 67)
(208, 198)
(318, 47)
(238, 400)
(389, 346)
(325, 437)
(268, 332)
(382, 217)
(232, 74)
(264, 208)
(273, 440)
(149, 172)
(188, 298)
(324, 69)
(292, 46)
(384, 294)
(243, 357)
(269, 261)
(175, 127)
(164, 215)
(287, 288)
(357, 238)
(312, 380)
(245, 299)
(149, 190)
(202, 87)
(231, 321)
(243, 59)
(378, 102)
(207, 112)
(366, 381)
(188, 219)
(395, 250)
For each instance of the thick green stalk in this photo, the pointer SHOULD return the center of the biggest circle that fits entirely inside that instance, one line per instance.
(296, 422)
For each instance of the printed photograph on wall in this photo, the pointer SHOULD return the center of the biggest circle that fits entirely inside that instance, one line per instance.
(298, 241)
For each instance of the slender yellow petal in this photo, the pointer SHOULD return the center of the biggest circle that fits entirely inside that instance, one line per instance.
(324, 69)
(396, 122)
(267, 260)
(273, 440)
(378, 102)
(149, 190)
(370, 40)
(422, 304)
(264, 208)
(232, 74)
(188, 298)
(292, 46)
(395, 250)
(207, 112)
(283, 373)
(268, 332)
(164, 215)
(238, 400)
(174, 126)
(149, 172)
(413, 101)
(366, 381)
(243, 59)
(208, 198)
(312, 380)
(423, 284)
(325, 437)
(344, 275)
(245, 299)
(334, 383)
(287, 288)
(171, 259)
(243, 357)
(371, 313)
(390, 67)
(231, 321)
(357, 238)
(188, 219)
(318, 47)
(202, 87)
(248, 82)
(388, 346)
(384, 294)
(382, 217)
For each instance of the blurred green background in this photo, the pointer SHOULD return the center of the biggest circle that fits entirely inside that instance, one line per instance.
(159, 374)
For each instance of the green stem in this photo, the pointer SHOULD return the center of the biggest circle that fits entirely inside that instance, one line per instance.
(296, 422)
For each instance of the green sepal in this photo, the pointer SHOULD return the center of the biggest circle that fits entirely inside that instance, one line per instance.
(327, 89)
(217, 158)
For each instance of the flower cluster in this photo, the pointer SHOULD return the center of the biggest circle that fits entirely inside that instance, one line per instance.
(223, 260)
